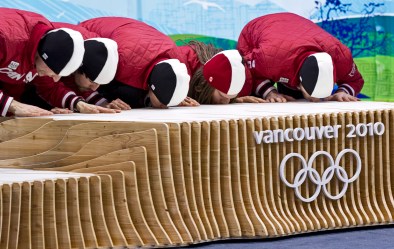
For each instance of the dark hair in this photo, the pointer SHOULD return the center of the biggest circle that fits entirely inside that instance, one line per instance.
(80, 70)
(200, 90)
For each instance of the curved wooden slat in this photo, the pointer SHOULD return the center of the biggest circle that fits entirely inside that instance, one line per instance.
(38, 141)
(14, 128)
(123, 174)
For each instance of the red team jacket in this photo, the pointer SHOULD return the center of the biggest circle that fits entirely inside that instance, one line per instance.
(20, 33)
(140, 47)
(275, 46)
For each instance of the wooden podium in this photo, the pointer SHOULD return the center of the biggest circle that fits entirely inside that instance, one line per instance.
(190, 175)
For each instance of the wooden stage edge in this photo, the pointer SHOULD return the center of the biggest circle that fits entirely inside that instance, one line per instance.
(181, 176)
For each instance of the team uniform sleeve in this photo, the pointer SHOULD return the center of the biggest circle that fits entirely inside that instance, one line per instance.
(5, 100)
(261, 88)
(91, 97)
(2, 49)
(56, 93)
(352, 82)
(349, 78)
(85, 33)
(256, 87)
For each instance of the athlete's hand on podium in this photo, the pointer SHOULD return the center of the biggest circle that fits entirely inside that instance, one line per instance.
(117, 104)
(250, 99)
(23, 110)
(274, 96)
(84, 107)
(189, 102)
(58, 110)
(341, 96)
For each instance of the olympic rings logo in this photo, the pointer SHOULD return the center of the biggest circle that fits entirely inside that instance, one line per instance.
(314, 176)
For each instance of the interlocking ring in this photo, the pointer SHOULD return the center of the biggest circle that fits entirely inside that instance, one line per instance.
(314, 176)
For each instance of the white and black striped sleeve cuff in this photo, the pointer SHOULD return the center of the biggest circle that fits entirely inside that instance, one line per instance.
(70, 100)
(347, 88)
(5, 102)
(264, 88)
(95, 99)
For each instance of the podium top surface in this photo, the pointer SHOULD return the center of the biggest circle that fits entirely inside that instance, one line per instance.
(227, 112)
(11, 175)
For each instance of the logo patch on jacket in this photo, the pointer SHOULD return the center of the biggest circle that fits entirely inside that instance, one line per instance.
(283, 80)
(17, 76)
(251, 64)
(13, 65)
(351, 74)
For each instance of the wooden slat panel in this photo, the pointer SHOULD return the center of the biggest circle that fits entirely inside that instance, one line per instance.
(263, 185)
(350, 197)
(259, 228)
(347, 201)
(47, 136)
(388, 160)
(124, 176)
(74, 214)
(319, 205)
(176, 227)
(376, 173)
(1, 211)
(37, 215)
(15, 215)
(365, 188)
(333, 186)
(320, 164)
(253, 158)
(24, 240)
(85, 209)
(225, 182)
(78, 135)
(180, 184)
(197, 180)
(276, 148)
(247, 228)
(206, 178)
(271, 182)
(139, 156)
(110, 216)
(50, 228)
(100, 226)
(310, 220)
(290, 208)
(63, 235)
(14, 128)
(6, 214)
(215, 177)
(186, 138)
